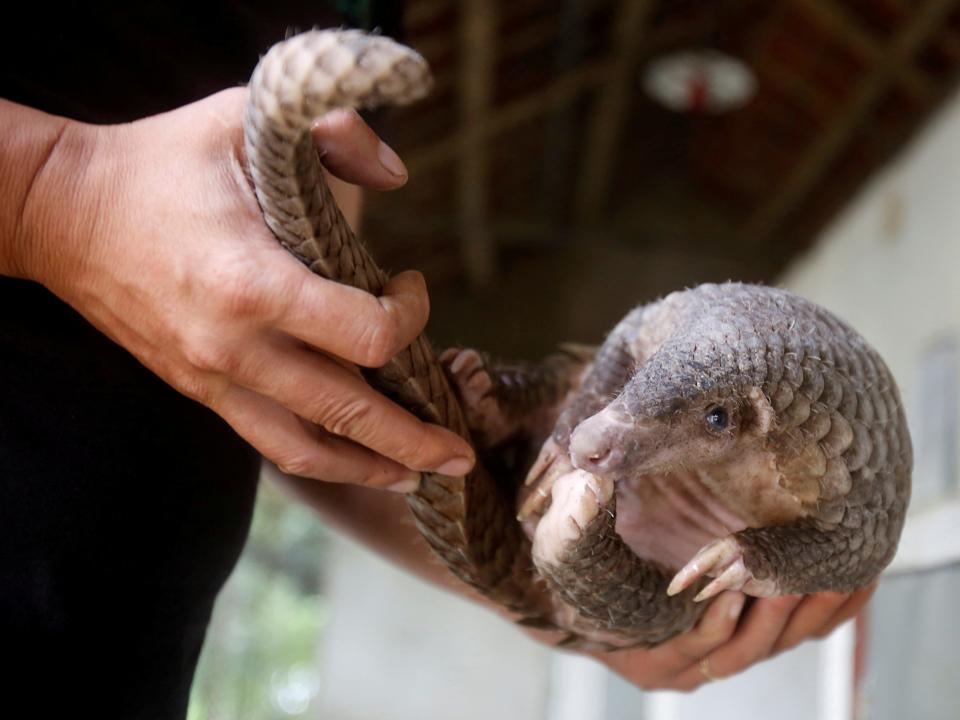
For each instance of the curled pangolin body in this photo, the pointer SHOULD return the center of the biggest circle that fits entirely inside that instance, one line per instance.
(833, 433)
(822, 443)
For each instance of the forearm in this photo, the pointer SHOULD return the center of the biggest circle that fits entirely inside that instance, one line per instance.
(29, 139)
(379, 520)
(382, 522)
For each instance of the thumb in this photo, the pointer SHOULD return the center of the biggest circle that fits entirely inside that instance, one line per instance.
(353, 152)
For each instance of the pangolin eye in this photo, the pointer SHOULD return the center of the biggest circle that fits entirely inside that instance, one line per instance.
(717, 418)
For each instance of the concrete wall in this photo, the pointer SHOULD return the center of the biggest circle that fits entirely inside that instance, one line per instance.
(398, 648)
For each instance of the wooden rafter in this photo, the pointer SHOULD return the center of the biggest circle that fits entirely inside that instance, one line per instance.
(840, 22)
(541, 30)
(561, 91)
(568, 87)
(606, 119)
(835, 137)
(511, 47)
(478, 39)
(560, 135)
(799, 89)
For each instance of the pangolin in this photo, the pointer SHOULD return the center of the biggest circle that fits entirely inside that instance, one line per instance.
(725, 437)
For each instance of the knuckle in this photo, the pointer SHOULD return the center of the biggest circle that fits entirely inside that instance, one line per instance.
(705, 636)
(413, 453)
(824, 631)
(297, 465)
(210, 356)
(649, 684)
(194, 387)
(720, 633)
(751, 656)
(686, 686)
(235, 292)
(421, 302)
(340, 129)
(349, 417)
(340, 122)
(240, 301)
(350, 121)
(380, 478)
(784, 644)
(380, 343)
(709, 638)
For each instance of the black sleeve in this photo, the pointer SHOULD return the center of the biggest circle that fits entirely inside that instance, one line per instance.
(116, 61)
(124, 505)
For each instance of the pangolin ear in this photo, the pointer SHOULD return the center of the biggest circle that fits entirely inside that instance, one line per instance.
(760, 411)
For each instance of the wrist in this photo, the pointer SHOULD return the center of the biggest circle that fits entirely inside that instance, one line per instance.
(45, 204)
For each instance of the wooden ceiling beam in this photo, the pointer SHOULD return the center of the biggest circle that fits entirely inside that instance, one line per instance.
(799, 90)
(817, 159)
(540, 31)
(696, 26)
(561, 91)
(605, 125)
(570, 86)
(529, 38)
(478, 24)
(838, 20)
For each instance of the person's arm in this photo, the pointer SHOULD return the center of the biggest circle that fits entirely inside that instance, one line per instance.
(152, 232)
(27, 141)
(732, 639)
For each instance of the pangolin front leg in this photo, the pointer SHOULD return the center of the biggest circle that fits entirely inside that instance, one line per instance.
(576, 546)
(804, 556)
(577, 549)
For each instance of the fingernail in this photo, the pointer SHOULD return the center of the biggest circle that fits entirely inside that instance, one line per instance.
(391, 161)
(456, 467)
(407, 485)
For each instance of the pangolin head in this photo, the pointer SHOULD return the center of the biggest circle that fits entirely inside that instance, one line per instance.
(698, 399)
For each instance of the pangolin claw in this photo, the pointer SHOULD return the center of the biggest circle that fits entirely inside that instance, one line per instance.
(735, 577)
(722, 559)
(548, 455)
(550, 465)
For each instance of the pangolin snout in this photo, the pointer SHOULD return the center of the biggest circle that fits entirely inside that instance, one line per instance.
(596, 444)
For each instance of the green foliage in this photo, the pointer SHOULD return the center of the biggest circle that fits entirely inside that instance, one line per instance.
(258, 661)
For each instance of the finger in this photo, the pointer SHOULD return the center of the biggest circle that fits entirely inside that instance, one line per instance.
(303, 451)
(715, 627)
(753, 641)
(658, 667)
(353, 152)
(324, 393)
(848, 610)
(353, 324)
(812, 614)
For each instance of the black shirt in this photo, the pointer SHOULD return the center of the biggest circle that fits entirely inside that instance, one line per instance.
(123, 505)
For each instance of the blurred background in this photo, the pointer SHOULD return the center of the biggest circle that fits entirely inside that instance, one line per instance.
(576, 158)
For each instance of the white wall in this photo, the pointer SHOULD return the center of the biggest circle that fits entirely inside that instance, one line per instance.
(398, 648)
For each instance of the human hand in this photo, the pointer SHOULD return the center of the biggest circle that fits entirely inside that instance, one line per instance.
(724, 644)
(152, 232)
